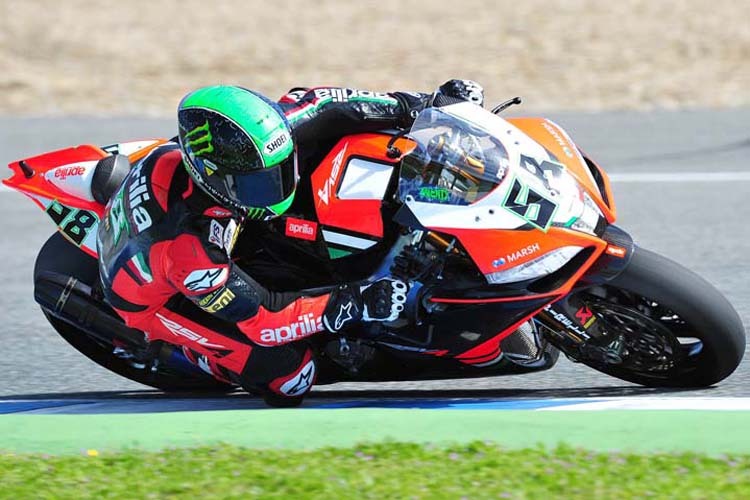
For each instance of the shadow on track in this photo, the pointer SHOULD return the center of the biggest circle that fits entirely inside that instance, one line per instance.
(493, 394)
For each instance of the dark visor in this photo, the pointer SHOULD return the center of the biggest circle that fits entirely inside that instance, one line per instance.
(265, 187)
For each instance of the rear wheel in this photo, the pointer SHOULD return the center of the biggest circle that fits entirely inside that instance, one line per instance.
(666, 326)
(60, 256)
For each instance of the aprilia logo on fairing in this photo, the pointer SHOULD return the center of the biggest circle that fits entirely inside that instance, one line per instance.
(326, 190)
(304, 326)
(343, 95)
(616, 251)
(559, 140)
(302, 229)
(63, 172)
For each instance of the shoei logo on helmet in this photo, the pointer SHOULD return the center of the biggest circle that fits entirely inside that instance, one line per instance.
(276, 142)
(199, 140)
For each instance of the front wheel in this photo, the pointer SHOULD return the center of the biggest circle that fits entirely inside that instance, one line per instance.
(665, 326)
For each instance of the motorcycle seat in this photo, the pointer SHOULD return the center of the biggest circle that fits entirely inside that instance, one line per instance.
(108, 175)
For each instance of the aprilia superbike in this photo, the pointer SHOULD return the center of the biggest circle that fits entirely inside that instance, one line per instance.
(504, 230)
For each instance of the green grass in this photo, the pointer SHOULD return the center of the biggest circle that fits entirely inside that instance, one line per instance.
(389, 470)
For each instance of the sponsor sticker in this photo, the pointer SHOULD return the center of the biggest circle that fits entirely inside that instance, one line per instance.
(518, 254)
(206, 279)
(616, 251)
(73, 171)
(217, 301)
(306, 324)
(585, 317)
(434, 193)
(276, 142)
(218, 212)
(183, 331)
(216, 234)
(301, 228)
(328, 187)
(230, 236)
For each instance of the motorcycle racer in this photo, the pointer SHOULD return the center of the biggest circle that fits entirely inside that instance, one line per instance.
(170, 229)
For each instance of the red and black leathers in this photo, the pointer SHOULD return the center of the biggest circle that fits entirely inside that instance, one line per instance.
(162, 236)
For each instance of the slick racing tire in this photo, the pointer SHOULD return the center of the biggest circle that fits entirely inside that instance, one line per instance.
(59, 255)
(677, 329)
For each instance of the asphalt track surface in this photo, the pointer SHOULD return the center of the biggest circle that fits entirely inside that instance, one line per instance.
(698, 219)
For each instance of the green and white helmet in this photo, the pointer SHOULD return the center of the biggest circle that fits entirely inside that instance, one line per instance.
(237, 146)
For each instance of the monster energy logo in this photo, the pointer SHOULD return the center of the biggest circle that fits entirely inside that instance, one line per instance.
(255, 213)
(200, 137)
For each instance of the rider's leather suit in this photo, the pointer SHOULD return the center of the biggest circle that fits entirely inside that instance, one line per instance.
(162, 238)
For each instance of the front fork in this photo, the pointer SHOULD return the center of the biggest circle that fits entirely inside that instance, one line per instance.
(569, 323)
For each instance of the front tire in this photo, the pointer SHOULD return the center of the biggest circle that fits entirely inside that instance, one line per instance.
(677, 329)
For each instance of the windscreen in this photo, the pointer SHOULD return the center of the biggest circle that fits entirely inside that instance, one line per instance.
(455, 162)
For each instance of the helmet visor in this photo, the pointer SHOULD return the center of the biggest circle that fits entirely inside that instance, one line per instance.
(261, 188)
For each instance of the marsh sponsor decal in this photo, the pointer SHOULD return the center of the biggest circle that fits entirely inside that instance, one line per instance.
(518, 254)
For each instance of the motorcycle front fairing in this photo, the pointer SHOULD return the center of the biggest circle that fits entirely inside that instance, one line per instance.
(532, 225)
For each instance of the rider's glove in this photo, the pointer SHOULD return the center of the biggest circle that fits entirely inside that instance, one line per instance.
(454, 91)
(451, 92)
(381, 300)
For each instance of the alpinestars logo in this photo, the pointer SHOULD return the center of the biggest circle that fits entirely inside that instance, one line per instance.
(345, 315)
(199, 140)
(307, 324)
(327, 188)
(302, 382)
(205, 279)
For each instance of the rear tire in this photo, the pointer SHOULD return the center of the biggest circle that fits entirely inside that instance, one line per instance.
(60, 256)
(702, 313)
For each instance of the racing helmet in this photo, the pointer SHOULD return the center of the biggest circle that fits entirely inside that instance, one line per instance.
(237, 146)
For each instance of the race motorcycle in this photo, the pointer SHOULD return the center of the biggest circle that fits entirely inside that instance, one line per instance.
(503, 228)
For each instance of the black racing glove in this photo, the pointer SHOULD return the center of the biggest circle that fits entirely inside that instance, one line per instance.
(451, 92)
(381, 300)
(454, 91)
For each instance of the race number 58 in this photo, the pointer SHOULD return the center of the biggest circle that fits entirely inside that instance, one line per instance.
(75, 224)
